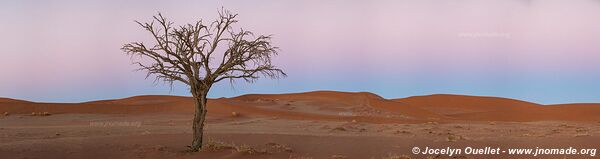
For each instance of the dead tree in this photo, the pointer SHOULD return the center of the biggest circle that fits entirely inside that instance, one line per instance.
(200, 55)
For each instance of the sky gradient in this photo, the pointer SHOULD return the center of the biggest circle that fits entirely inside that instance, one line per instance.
(544, 51)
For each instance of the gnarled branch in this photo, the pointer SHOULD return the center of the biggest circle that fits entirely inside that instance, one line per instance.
(184, 53)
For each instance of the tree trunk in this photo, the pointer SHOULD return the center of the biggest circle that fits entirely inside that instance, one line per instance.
(198, 123)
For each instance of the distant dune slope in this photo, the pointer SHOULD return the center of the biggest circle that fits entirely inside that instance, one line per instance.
(9, 100)
(477, 108)
(330, 105)
(579, 112)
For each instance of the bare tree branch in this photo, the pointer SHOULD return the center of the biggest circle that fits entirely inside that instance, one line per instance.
(184, 53)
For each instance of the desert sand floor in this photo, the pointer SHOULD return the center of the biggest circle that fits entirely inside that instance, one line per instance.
(115, 136)
(320, 124)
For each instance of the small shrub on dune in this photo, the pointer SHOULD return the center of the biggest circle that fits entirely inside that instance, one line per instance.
(212, 145)
(339, 129)
(432, 123)
(582, 135)
(452, 138)
(249, 150)
(338, 157)
(581, 130)
(275, 147)
(395, 156)
(402, 132)
(40, 114)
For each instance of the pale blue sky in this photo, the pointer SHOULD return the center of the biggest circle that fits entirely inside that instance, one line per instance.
(543, 51)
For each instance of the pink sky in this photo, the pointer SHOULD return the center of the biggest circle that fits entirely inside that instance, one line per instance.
(548, 50)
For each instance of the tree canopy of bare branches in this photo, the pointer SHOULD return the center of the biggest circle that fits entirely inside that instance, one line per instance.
(200, 55)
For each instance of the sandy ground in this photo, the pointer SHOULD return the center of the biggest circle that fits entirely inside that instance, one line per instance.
(295, 126)
(165, 136)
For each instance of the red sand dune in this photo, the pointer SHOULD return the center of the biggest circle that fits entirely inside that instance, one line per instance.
(330, 105)
(9, 100)
(477, 108)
